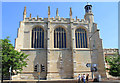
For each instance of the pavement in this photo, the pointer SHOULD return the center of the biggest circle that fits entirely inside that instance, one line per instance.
(57, 81)
(108, 81)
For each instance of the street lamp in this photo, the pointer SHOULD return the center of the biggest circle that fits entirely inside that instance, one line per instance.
(90, 47)
(10, 70)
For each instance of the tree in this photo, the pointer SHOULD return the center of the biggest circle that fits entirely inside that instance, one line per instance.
(11, 58)
(114, 63)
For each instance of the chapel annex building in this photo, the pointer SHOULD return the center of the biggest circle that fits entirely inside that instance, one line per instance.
(63, 45)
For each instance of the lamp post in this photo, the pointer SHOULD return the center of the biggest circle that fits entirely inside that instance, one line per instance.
(90, 48)
(10, 73)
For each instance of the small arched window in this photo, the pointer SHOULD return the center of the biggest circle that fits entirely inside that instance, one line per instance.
(37, 37)
(81, 38)
(59, 38)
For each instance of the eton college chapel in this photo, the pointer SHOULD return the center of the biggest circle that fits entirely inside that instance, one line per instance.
(65, 47)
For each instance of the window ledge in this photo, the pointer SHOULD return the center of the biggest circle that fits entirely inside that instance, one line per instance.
(81, 49)
(32, 48)
(58, 48)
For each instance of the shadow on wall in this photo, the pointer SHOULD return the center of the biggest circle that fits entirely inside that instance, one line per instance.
(60, 65)
(39, 59)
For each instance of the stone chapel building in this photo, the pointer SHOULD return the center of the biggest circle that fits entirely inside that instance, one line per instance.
(63, 45)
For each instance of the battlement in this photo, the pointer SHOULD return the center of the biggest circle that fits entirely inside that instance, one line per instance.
(35, 19)
(56, 19)
(59, 19)
(80, 21)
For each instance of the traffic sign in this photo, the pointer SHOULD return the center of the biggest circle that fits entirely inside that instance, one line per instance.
(94, 69)
(88, 65)
(94, 65)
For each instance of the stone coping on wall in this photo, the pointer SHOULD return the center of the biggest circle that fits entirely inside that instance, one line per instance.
(87, 49)
(33, 49)
(60, 19)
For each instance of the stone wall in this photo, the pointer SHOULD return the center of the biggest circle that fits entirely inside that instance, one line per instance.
(60, 62)
(35, 57)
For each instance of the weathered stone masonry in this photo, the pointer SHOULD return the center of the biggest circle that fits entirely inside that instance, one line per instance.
(61, 62)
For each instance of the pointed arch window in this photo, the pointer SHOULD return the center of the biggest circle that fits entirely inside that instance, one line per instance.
(59, 38)
(37, 37)
(81, 38)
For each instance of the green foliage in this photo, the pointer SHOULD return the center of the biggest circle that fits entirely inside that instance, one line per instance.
(10, 57)
(114, 63)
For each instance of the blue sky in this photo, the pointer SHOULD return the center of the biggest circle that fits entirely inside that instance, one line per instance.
(105, 15)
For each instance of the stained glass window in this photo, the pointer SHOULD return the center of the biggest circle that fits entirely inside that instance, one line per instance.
(81, 38)
(59, 38)
(37, 37)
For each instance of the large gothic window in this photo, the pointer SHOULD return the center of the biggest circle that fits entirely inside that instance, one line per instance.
(37, 37)
(81, 38)
(59, 38)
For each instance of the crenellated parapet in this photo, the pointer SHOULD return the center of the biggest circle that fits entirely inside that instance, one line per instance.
(39, 19)
(80, 21)
(56, 19)
(34, 19)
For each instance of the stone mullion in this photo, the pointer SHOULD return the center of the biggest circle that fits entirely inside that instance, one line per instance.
(84, 40)
(38, 39)
(80, 40)
(77, 39)
(63, 40)
(33, 38)
(58, 40)
(55, 39)
(41, 39)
